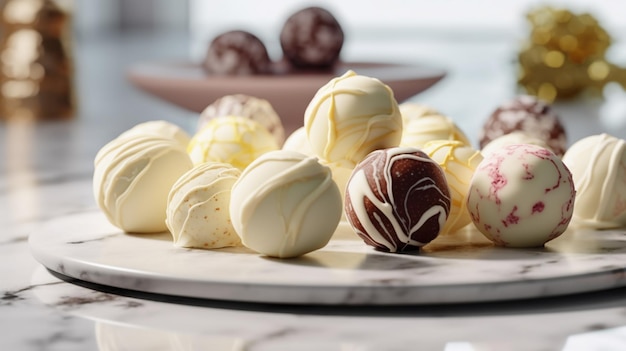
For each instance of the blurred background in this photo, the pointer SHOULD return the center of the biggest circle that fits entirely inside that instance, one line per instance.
(476, 42)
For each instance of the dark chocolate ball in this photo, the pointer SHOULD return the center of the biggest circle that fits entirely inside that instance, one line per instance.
(311, 38)
(397, 199)
(237, 53)
(529, 115)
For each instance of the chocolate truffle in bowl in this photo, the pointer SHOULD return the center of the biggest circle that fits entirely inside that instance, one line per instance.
(237, 52)
(132, 178)
(285, 204)
(311, 38)
(397, 199)
(256, 109)
(521, 196)
(231, 139)
(530, 115)
(198, 207)
(598, 166)
(351, 116)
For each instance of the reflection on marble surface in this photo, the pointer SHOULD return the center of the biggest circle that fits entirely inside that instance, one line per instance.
(540, 324)
(115, 337)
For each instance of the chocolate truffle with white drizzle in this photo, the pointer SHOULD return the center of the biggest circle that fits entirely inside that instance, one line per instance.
(397, 199)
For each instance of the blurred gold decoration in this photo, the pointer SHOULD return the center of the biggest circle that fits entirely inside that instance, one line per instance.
(36, 67)
(565, 55)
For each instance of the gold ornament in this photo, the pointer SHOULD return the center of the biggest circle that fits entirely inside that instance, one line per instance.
(565, 55)
(36, 63)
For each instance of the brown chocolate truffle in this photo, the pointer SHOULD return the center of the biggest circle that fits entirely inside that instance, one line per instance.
(397, 199)
(529, 115)
(311, 38)
(237, 53)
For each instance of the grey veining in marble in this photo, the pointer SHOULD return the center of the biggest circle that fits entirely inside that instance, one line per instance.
(453, 269)
(135, 324)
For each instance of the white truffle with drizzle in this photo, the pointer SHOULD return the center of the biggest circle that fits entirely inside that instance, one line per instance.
(285, 204)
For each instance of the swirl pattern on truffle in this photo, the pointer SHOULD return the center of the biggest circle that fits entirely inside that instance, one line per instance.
(397, 199)
(528, 114)
(198, 207)
(132, 178)
(422, 124)
(598, 166)
(231, 139)
(521, 196)
(458, 161)
(256, 109)
(285, 204)
(350, 117)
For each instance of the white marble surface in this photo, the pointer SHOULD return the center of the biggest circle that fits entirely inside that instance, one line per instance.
(459, 268)
(46, 173)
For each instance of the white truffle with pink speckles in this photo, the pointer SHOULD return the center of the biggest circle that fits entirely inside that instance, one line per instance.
(521, 196)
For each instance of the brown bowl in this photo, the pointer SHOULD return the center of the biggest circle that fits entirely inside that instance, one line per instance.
(188, 86)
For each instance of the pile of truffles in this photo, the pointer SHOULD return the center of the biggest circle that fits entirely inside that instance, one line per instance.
(310, 39)
(398, 175)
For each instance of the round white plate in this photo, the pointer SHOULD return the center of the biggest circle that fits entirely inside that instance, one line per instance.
(452, 269)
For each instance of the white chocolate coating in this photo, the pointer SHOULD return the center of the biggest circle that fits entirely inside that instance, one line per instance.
(413, 110)
(285, 204)
(256, 109)
(350, 117)
(516, 137)
(160, 128)
(297, 141)
(598, 166)
(459, 162)
(231, 139)
(198, 207)
(423, 124)
(132, 177)
(521, 196)
(341, 175)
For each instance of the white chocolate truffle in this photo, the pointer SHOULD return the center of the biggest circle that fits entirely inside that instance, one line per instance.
(521, 196)
(459, 162)
(285, 204)
(341, 175)
(598, 166)
(256, 109)
(423, 124)
(160, 128)
(297, 141)
(231, 139)
(132, 177)
(198, 207)
(350, 117)
(413, 110)
(516, 137)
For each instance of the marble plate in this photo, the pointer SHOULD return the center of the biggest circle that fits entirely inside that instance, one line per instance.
(188, 86)
(453, 269)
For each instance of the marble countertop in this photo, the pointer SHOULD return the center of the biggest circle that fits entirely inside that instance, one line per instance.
(46, 174)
